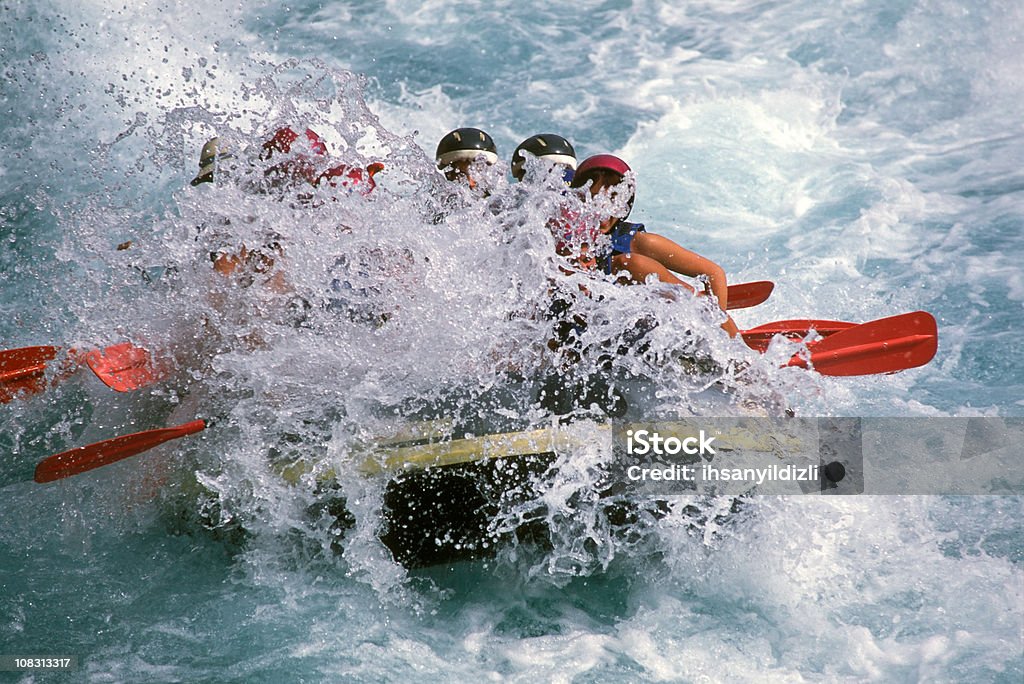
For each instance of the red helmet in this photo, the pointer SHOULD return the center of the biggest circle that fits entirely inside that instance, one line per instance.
(284, 137)
(590, 166)
(599, 162)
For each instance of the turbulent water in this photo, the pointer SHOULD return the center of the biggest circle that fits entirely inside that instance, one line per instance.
(864, 156)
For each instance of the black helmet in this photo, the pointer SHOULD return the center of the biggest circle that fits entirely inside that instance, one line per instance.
(554, 148)
(465, 144)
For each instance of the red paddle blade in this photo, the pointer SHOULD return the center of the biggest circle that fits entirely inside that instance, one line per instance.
(760, 337)
(82, 459)
(124, 367)
(883, 346)
(23, 370)
(745, 295)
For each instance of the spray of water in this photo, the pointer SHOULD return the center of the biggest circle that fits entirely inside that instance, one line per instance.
(358, 312)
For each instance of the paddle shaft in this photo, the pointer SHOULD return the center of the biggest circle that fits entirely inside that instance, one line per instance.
(83, 459)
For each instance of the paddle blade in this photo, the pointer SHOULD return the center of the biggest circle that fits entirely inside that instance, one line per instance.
(744, 295)
(124, 367)
(760, 337)
(887, 345)
(82, 459)
(23, 370)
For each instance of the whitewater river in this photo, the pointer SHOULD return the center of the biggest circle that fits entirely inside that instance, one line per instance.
(865, 156)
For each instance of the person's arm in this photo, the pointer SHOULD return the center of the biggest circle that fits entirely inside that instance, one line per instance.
(226, 263)
(672, 257)
(640, 267)
(681, 260)
(262, 260)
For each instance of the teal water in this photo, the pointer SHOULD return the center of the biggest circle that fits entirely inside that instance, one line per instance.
(864, 157)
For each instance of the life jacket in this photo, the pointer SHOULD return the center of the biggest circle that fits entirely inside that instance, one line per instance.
(581, 239)
(577, 238)
(617, 241)
(622, 236)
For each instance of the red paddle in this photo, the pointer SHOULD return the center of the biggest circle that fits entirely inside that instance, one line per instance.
(883, 346)
(22, 370)
(760, 337)
(745, 295)
(124, 367)
(82, 459)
